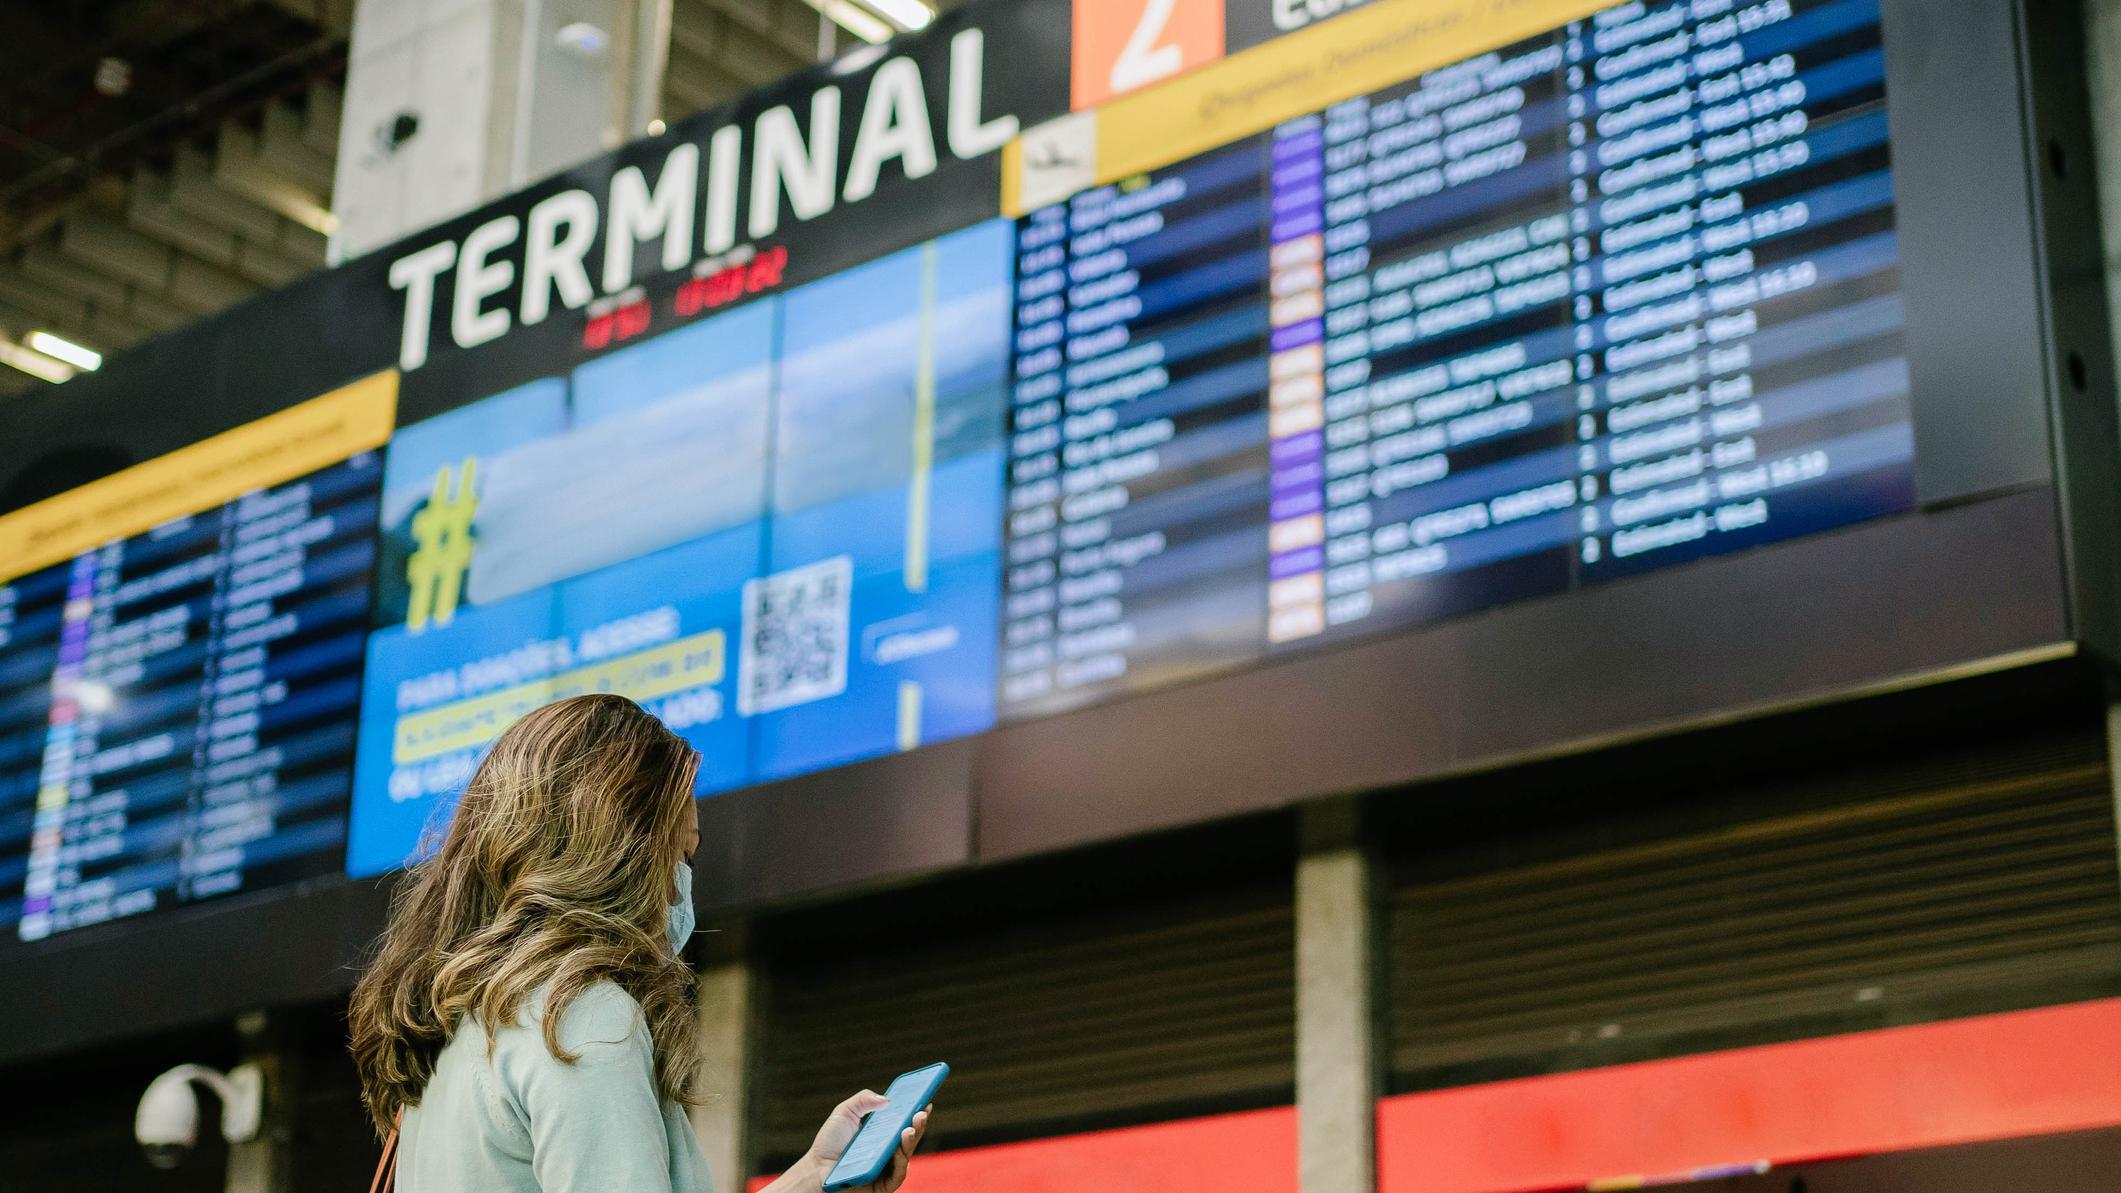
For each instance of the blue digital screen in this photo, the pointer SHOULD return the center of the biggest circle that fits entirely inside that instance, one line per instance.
(779, 529)
(1610, 299)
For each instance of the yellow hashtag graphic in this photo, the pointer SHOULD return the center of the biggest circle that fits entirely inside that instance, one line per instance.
(442, 533)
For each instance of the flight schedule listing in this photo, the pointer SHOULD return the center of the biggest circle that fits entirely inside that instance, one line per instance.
(1613, 298)
(1139, 471)
(177, 708)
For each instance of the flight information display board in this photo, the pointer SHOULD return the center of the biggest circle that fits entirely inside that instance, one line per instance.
(176, 708)
(1610, 298)
(1342, 330)
(177, 705)
(1620, 296)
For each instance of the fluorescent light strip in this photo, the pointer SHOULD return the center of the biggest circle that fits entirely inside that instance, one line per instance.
(36, 364)
(857, 22)
(911, 14)
(853, 20)
(85, 359)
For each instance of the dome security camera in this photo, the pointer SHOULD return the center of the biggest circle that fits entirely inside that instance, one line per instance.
(167, 1122)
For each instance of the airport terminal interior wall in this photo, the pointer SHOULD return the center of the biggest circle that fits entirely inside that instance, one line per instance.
(1917, 856)
(1913, 857)
(1932, 855)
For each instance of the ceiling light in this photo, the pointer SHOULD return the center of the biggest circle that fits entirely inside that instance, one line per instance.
(857, 22)
(853, 20)
(86, 359)
(114, 77)
(655, 128)
(910, 14)
(36, 364)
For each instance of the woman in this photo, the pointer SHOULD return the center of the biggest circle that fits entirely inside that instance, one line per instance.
(526, 1010)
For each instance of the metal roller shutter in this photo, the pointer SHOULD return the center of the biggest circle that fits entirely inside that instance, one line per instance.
(1957, 880)
(1124, 1013)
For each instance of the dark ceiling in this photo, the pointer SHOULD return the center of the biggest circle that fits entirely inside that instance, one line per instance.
(191, 64)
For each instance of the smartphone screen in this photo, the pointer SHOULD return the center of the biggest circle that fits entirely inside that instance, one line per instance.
(869, 1155)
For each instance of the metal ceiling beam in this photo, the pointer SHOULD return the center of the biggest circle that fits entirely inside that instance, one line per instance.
(335, 17)
(43, 263)
(786, 24)
(50, 306)
(721, 48)
(258, 165)
(196, 191)
(323, 112)
(116, 251)
(151, 208)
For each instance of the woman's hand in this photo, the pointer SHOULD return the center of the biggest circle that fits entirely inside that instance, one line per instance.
(839, 1130)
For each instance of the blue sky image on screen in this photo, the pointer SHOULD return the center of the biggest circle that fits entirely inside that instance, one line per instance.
(778, 528)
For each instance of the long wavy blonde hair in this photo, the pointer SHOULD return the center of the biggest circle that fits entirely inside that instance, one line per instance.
(558, 867)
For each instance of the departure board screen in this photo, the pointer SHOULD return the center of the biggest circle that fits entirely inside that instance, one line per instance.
(177, 707)
(1616, 297)
(1611, 298)
(1308, 338)
(777, 528)
(1139, 472)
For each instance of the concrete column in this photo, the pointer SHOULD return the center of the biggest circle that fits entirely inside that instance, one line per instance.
(451, 103)
(2113, 752)
(731, 989)
(1339, 1073)
(266, 1164)
(2102, 47)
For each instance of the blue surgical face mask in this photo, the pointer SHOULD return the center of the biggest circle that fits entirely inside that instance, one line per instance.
(682, 917)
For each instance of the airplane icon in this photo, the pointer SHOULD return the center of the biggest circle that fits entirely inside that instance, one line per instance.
(1051, 156)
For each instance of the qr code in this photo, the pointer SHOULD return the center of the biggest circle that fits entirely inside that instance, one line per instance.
(795, 636)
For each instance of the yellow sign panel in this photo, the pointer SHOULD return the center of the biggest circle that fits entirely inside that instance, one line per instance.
(693, 662)
(277, 448)
(1352, 54)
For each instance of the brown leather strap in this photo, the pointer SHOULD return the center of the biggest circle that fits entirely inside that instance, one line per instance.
(387, 1167)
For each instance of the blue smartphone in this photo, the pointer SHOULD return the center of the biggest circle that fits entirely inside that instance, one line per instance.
(868, 1157)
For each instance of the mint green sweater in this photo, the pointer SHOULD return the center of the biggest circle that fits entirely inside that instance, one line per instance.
(521, 1121)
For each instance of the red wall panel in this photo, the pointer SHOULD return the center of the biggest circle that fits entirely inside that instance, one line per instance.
(1993, 1077)
(1939, 1084)
(1253, 1152)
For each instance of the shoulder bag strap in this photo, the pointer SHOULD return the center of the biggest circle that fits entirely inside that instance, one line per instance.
(387, 1167)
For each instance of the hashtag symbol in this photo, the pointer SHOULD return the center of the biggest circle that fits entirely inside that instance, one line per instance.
(442, 533)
